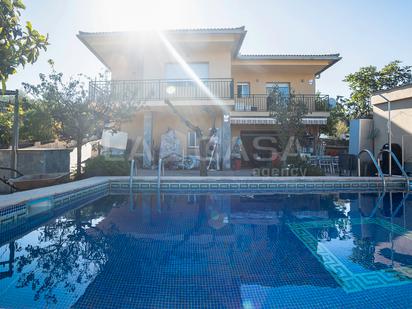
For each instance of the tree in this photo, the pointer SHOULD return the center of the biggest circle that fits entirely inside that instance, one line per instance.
(17, 46)
(341, 128)
(337, 123)
(74, 115)
(6, 123)
(37, 124)
(288, 112)
(36, 121)
(368, 80)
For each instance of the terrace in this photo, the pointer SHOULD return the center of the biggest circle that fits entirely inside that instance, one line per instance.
(187, 89)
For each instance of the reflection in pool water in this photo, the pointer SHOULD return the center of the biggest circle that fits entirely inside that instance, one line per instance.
(252, 251)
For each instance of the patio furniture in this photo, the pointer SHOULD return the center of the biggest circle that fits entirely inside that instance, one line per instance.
(329, 164)
(325, 163)
(313, 160)
(335, 164)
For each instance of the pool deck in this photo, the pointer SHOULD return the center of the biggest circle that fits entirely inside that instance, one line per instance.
(223, 184)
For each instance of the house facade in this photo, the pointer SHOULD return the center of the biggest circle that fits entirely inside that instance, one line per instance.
(209, 83)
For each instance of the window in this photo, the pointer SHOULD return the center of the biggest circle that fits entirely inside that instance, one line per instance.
(192, 140)
(175, 70)
(283, 88)
(243, 89)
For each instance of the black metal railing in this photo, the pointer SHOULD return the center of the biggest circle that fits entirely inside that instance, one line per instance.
(160, 89)
(258, 102)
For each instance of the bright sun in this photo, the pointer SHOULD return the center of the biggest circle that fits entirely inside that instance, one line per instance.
(140, 14)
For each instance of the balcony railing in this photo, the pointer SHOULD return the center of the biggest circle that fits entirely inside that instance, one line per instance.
(258, 102)
(184, 89)
(160, 89)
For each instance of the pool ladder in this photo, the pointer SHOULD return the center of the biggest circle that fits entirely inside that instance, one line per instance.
(133, 173)
(160, 172)
(378, 167)
(379, 203)
(404, 174)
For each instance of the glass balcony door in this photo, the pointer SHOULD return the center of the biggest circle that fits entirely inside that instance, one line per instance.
(282, 88)
(243, 90)
(176, 71)
(180, 82)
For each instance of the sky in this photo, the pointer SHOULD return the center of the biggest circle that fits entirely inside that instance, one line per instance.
(364, 32)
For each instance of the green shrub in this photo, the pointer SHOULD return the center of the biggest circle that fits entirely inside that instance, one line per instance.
(314, 171)
(310, 170)
(101, 166)
(296, 161)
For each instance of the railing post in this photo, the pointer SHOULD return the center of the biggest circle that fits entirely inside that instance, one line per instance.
(232, 89)
(313, 103)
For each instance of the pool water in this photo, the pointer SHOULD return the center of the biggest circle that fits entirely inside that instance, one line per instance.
(212, 251)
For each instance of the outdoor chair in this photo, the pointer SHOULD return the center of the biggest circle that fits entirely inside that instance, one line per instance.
(325, 163)
(313, 160)
(335, 165)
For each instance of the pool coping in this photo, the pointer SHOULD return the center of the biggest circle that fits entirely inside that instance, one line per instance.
(29, 195)
(196, 184)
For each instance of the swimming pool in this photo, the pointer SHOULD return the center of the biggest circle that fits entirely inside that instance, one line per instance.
(211, 251)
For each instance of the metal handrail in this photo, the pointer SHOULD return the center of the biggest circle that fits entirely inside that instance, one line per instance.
(160, 89)
(158, 79)
(133, 172)
(404, 174)
(378, 168)
(401, 204)
(160, 170)
(378, 204)
(258, 102)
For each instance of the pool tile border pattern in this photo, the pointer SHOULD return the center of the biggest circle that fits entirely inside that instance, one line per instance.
(65, 200)
(349, 281)
(81, 195)
(255, 184)
(13, 211)
(97, 187)
(13, 218)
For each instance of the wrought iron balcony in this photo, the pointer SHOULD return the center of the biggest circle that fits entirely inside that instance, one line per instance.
(159, 89)
(258, 102)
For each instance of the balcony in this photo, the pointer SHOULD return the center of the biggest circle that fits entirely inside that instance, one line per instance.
(258, 102)
(159, 89)
(185, 89)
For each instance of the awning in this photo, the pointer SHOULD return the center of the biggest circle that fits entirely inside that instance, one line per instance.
(268, 120)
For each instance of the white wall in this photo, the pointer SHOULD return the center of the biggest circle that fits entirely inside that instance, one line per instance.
(87, 153)
(360, 133)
